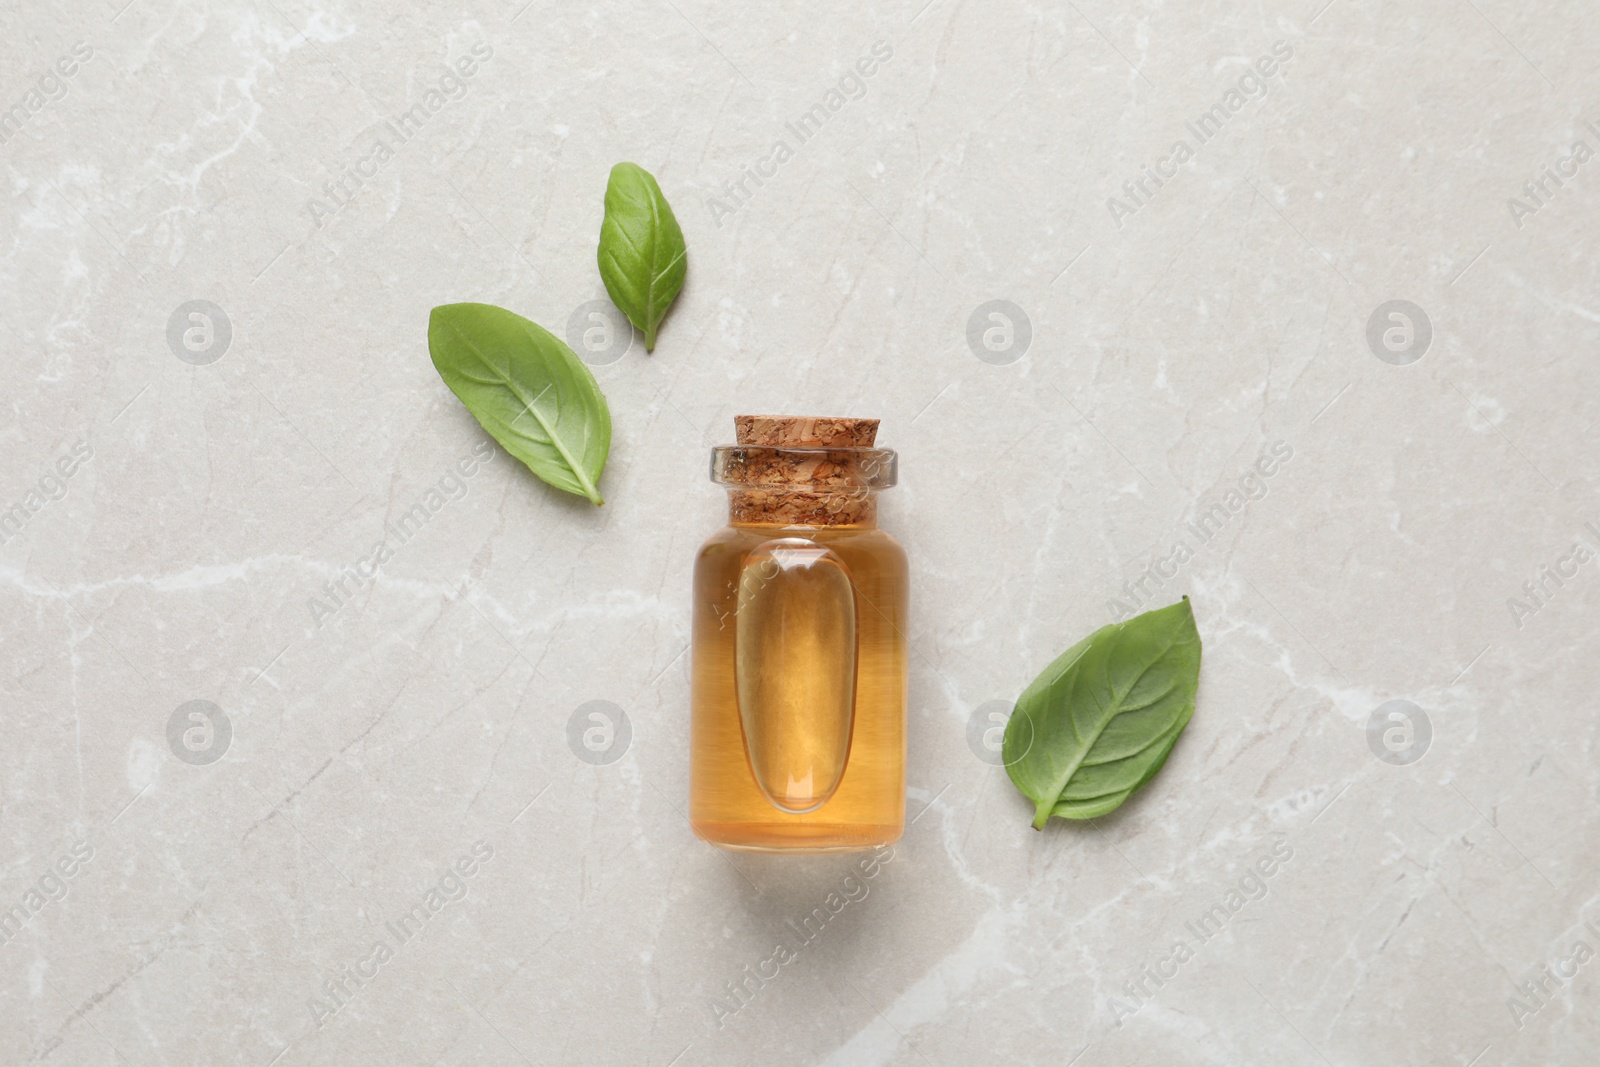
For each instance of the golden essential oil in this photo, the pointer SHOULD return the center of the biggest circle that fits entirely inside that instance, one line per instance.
(797, 737)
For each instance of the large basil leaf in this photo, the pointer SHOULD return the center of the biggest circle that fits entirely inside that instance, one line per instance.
(528, 389)
(642, 254)
(1100, 721)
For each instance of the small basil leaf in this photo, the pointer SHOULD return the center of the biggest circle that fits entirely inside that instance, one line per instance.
(1101, 719)
(528, 389)
(642, 254)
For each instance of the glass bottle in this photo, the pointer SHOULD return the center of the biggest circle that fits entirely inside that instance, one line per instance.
(797, 740)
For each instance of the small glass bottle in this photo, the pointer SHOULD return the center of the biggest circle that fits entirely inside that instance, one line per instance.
(797, 739)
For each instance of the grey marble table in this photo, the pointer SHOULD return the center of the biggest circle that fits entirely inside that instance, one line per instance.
(1289, 308)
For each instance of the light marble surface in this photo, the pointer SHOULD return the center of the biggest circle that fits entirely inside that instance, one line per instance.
(1174, 340)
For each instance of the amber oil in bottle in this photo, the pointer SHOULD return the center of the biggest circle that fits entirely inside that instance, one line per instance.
(799, 653)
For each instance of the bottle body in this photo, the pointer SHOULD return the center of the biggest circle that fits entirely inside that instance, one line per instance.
(797, 736)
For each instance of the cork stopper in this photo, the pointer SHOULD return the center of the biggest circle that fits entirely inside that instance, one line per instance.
(803, 431)
(794, 470)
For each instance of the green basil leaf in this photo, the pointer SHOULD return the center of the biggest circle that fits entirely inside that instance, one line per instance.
(528, 389)
(642, 254)
(1101, 720)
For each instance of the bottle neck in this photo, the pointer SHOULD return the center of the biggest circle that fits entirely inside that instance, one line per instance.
(782, 505)
(802, 485)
